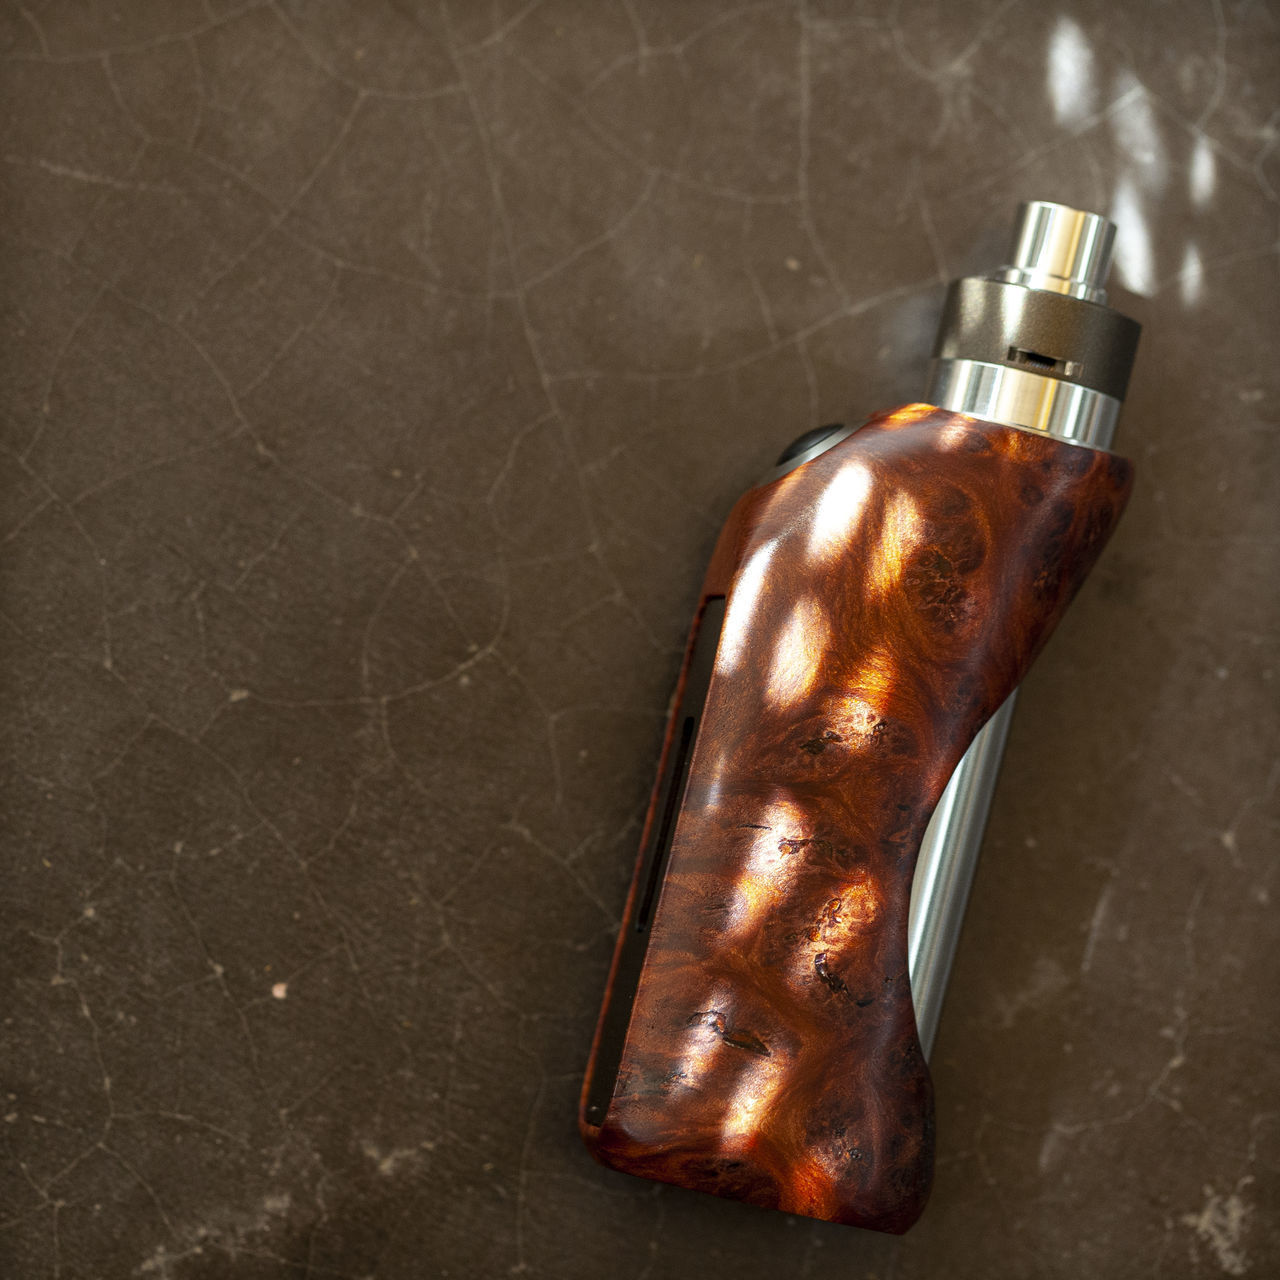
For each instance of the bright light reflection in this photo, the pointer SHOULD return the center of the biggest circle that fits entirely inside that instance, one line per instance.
(798, 653)
(953, 435)
(839, 509)
(766, 867)
(1070, 74)
(1191, 277)
(753, 1097)
(857, 905)
(1135, 263)
(1203, 176)
(852, 715)
(859, 710)
(740, 611)
(908, 413)
(900, 534)
(751, 896)
(699, 1042)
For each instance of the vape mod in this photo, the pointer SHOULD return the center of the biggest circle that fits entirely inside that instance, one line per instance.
(868, 612)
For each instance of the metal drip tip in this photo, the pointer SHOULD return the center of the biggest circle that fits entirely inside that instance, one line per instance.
(1061, 249)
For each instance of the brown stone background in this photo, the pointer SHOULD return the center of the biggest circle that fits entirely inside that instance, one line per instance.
(375, 378)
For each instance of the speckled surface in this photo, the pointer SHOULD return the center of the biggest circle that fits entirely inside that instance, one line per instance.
(374, 380)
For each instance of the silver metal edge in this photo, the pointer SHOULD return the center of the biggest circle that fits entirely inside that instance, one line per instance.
(1031, 401)
(948, 856)
(945, 867)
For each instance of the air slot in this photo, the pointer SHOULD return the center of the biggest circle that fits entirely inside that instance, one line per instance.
(1045, 364)
(657, 852)
(675, 788)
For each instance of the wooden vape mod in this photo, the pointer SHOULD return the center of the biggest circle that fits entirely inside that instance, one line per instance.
(868, 609)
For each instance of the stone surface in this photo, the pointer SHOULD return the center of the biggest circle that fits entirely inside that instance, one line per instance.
(374, 381)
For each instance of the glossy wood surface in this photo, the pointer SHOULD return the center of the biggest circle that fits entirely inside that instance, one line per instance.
(882, 601)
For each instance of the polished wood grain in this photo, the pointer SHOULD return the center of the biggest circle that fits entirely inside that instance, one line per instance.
(883, 599)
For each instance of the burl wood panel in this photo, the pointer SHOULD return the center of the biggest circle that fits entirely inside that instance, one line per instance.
(882, 601)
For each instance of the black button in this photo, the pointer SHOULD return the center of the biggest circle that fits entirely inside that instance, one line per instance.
(807, 441)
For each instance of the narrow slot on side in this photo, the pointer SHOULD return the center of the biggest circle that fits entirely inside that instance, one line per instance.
(653, 868)
(1044, 364)
(678, 774)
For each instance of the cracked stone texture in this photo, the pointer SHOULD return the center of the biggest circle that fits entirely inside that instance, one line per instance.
(375, 379)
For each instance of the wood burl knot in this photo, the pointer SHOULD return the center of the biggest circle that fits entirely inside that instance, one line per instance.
(882, 601)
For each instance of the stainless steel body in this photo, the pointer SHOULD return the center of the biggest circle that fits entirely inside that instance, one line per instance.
(1001, 394)
(1006, 355)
